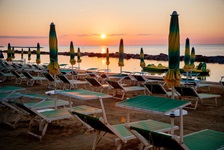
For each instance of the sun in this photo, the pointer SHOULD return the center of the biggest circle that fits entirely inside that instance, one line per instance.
(103, 36)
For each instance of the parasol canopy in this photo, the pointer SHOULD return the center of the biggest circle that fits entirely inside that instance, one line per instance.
(9, 57)
(107, 59)
(79, 60)
(29, 54)
(53, 67)
(38, 54)
(72, 54)
(142, 62)
(192, 58)
(121, 55)
(22, 53)
(172, 78)
(187, 66)
(13, 53)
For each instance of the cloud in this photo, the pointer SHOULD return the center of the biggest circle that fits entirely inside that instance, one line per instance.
(144, 34)
(86, 35)
(22, 37)
(116, 34)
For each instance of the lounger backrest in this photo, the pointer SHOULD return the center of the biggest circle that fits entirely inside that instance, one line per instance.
(48, 76)
(159, 139)
(63, 79)
(93, 81)
(21, 106)
(114, 84)
(93, 122)
(26, 74)
(186, 91)
(15, 74)
(139, 78)
(155, 88)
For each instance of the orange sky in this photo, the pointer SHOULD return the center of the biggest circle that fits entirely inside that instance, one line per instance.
(145, 22)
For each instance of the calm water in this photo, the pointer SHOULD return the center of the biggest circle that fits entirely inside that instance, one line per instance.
(207, 50)
(217, 70)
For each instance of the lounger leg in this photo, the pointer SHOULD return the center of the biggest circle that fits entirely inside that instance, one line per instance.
(98, 137)
(119, 146)
(196, 104)
(44, 129)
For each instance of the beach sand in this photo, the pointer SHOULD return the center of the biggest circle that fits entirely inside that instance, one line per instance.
(72, 135)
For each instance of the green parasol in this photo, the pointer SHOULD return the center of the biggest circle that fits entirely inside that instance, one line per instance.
(13, 53)
(107, 59)
(79, 60)
(192, 58)
(38, 54)
(187, 56)
(142, 62)
(121, 55)
(172, 78)
(53, 67)
(22, 54)
(72, 54)
(9, 57)
(29, 55)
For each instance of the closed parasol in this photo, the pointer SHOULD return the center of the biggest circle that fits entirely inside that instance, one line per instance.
(121, 55)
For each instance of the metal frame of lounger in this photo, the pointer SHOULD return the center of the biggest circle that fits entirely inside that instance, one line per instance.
(191, 94)
(205, 139)
(118, 87)
(31, 79)
(96, 84)
(71, 83)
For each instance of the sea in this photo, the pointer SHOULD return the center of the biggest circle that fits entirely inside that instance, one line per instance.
(132, 65)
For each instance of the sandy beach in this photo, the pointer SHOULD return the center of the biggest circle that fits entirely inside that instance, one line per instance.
(72, 134)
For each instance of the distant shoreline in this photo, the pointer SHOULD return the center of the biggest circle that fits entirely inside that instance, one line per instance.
(160, 57)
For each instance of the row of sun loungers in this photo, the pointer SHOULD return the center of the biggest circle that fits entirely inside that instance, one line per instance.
(151, 87)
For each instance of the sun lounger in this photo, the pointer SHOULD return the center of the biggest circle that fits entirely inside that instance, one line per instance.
(50, 78)
(31, 79)
(19, 77)
(192, 94)
(204, 139)
(71, 83)
(157, 89)
(46, 116)
(5, 76)
(11, 102)
(96, 84)
(118, 87)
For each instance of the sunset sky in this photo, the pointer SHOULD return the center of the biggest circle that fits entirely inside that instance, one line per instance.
(138, 22)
